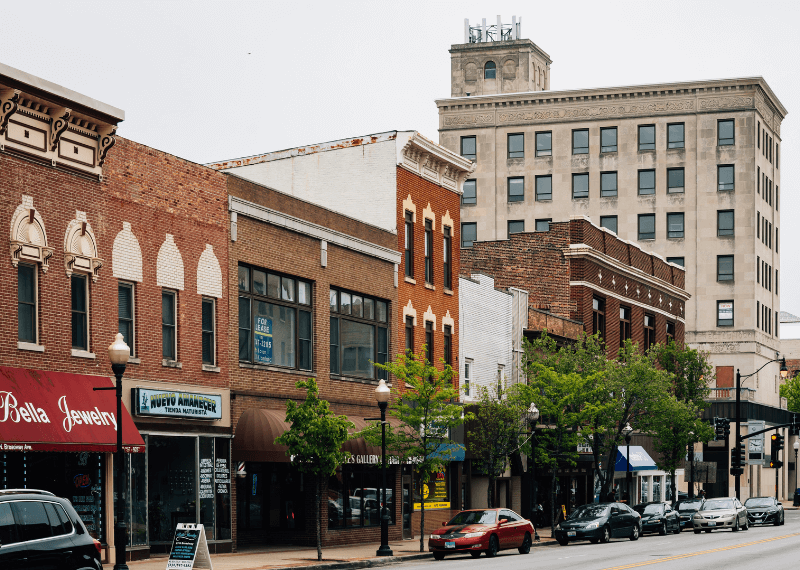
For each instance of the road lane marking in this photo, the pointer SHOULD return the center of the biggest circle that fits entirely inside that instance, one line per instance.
(690, 554)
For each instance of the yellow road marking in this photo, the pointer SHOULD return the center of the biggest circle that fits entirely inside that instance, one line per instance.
(689, 555)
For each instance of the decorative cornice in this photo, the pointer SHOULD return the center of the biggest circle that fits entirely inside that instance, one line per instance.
(9, 101)
(625, 299)
(434, 162)
(59, 122)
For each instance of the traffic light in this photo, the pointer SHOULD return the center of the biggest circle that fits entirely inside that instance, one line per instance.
(726, 426)
(722, 429)
(795, 428)
(776, 445)
(737, 459)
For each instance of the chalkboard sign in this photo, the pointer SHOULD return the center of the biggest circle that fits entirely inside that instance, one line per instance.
(189, 548)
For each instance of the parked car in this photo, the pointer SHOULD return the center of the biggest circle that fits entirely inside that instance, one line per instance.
(40, 530)
(658, 517)
(764, 510)
(600, 522)
(482, 530)
(725, 512)
(686, 510)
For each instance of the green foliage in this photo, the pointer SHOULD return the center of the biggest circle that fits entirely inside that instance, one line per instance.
(791, 391)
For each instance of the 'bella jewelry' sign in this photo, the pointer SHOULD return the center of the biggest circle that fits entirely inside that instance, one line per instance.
(177, 404)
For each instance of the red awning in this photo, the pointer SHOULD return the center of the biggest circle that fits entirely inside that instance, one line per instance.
(56, 411)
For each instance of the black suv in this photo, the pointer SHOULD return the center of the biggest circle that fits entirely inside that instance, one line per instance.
(39, 531)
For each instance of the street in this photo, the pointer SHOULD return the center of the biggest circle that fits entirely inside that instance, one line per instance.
(761, 547)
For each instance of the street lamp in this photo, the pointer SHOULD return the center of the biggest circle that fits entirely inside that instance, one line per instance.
(796, 447)
(691, 465)
(627, 430)
(382, 394)
(738, 437)
(118, 354)
(532, 416)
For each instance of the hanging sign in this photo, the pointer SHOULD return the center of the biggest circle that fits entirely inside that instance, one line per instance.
(189, 548)
(263, 340)
(177, 404)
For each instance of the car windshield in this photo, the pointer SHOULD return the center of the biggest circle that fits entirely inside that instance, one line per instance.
(474, 517)
(759, 503)
(718, 504)
(649, 509)
(589, 512)
(689, 505)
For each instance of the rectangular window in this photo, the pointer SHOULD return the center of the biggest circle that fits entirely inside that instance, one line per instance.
(125, 312)
(169, 325)
(675, 135)
(245, 329)
(675, 178)
(758, 134)
(429, 342)
(410, 334)
(624, 325)
(647, 226)
(724, 313)
(776, 197)
(608, 139)
(670, 331)
(675, 226)
(580, 141)
(649, 332)
(544, 144)
(758, 225)
(609, 222)
(209, 318)
(516, 189)
(647, 182)
(599, 317)
(677, 261)
(543, 225)
(776, 240)
(776, 281)
(580, 185)
(469, 233)
(448, 345)
(359, 334)
(758, 181)
(758, 269)
(758, 316)
(777, 154)
(80, 312)
(26, 303)
(470, 195)
(544, 188)
(467, 374)
(725, 223)
(516, 226)
(409, 244)
(724, 268)
(428, 252)
(725, 178)
(647, 137)
(516, 145)
(468, 148)
(725, 135)
(608, 184)
(447, 253)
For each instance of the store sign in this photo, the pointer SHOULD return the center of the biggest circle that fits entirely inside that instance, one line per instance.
(177, 404)
(725, 311)
(434, 493)
(263, 340)
(189, 548)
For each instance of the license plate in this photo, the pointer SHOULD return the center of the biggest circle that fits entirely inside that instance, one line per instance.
(571, 533)
(450, 544)
(712, 523)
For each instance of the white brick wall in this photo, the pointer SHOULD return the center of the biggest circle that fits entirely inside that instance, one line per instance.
(209, 274)
(169, 265)
(126, 255)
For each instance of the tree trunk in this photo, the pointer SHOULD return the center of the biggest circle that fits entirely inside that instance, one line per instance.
(490, 493)
(672, 486)
(317, 516)
(553, 503)
(421, 519)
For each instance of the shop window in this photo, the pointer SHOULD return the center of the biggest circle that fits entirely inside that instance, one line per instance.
(208, 328)
(624, 325)
(80, 311)
(169, 325)
(126, 314)
(409, 244)
(516, 145)
(26, 298)
(470, 195)
(580, 141)
(275, 324)
(360, 335)
(599, 317)
(649, 332)
(647, 137)
(428, 252)
(355, 495)
(447, 252)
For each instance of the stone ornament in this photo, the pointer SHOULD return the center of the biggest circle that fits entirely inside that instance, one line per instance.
(169, 265)
(28, 238)
(126, 255)
(80, 248)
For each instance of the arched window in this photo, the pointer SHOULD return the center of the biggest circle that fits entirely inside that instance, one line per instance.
(489, 70)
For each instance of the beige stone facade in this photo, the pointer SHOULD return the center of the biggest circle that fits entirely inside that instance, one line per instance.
(699, 106)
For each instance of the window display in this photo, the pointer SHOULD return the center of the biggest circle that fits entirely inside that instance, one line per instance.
(355, 495)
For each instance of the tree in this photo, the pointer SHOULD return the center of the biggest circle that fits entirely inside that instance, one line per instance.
(426, 412)
(495, 424)
(791, 391)
(315, 441)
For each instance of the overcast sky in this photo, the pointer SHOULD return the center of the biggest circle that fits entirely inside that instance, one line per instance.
(214, 80)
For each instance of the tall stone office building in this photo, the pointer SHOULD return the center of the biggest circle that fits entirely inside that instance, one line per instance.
(689, 171)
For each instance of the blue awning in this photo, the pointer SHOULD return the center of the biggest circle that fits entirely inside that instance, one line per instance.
(640, 460)
(450, 452)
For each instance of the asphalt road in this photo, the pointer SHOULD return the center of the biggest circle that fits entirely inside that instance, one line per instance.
(759, 548)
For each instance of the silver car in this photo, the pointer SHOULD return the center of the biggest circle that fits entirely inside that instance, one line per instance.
(724, 512)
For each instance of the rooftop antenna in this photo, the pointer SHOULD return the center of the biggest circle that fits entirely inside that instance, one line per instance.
(492, 33)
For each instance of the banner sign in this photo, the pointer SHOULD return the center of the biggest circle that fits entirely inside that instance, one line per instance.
(189, 548)
(176, 404)
(263, 340)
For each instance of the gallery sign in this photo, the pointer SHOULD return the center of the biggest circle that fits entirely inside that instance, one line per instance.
(176, 404)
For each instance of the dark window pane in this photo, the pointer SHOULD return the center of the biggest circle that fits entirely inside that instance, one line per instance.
(208, 331)
(544, 144)
(544, 188)
(725, 268)
(647, 137)
(469, 234)
(383, 351)
(543, 225)
(516, 189)
(608, 140)
(725, 175)
(675, 225)
(725, 223)
(516, 146)
(647, 182)
(580, 142)
(259, 282)
(675, 177)
(676, 261)
(208, 315)
(245, 341)
(274, 286)
(32, 520)
(27, 303)
(8, 527)
(489, 70)
(725, 134)
(304, 334)
(168, 326)
(334, 345)
(79, 316)
(78, 293)
(608, 184)
(609, 222)
(647, 226)
(167, 309)
(580, 185)
(675, 135)
(358, 348)
(470, 195)
(125, 302)
(516, 226)
(244, 279)
(468, 147)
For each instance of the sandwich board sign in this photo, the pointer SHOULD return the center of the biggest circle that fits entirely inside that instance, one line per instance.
(189, 548)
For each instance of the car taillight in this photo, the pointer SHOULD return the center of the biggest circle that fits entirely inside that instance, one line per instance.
(98, 546)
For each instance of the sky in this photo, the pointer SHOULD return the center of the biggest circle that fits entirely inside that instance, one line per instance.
(208, 81)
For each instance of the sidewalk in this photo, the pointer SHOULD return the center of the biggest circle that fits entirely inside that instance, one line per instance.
(333, 558)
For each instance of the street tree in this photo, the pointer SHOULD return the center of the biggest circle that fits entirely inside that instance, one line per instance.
(791, 391)
(314, 441)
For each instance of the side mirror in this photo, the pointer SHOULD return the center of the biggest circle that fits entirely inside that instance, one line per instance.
(502, 521)
(779, 505)
(444, 523)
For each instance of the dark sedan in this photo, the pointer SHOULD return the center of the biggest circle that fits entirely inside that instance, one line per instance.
(686, 509)
(764, 510)
(600, 522)
(658, 517)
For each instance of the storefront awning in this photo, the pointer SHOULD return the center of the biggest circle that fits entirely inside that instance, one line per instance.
(55, 411)
(640, 460)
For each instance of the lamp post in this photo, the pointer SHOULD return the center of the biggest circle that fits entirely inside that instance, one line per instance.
(796, 447)
(691, 465)
(118, 353)
(532, 416)
(738, 438)
(627, 430)
(382, 394)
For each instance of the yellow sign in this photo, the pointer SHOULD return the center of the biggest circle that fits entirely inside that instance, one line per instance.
(428, 505)
(564, 511)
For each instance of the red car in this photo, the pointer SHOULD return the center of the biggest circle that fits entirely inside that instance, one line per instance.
(482, 530)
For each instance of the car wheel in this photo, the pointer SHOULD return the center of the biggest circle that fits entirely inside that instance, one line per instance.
(697, 531)
(526, 544)
(475, 553)
(494, 546)
(438, 555)
(563, 541)
(663, 530)
(708, 530)
(635, 532)
(606, 536)
(783, 519)
(736, 525)
(678, 529)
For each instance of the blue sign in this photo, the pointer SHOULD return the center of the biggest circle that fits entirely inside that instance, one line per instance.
(263, 340)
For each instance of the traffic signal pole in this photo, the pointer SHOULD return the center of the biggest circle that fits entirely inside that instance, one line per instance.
(738, 435)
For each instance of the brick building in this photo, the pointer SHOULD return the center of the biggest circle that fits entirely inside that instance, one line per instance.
(109, 235)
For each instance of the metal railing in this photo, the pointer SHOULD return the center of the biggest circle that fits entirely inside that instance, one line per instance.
(730, 394)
